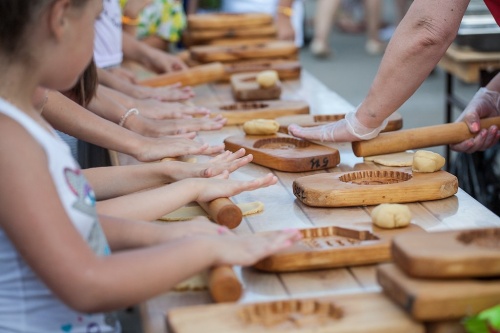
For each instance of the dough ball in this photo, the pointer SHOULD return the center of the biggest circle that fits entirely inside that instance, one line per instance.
(261, 127)
(427, 161)
(267, 79)
(391, 216)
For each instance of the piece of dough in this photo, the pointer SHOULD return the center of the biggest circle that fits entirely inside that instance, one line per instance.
(187, 213)
(261, 127)
(401, 159)
(427, 161)
(267, 79)
(194, 283)
(391, 216)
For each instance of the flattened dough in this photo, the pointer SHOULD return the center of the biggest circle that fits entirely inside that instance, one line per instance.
(401, 159)
(261, 127)
(391, 216)
(187, 213)
(194, 283)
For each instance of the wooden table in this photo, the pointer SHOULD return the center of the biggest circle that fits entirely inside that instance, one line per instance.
(282, 210)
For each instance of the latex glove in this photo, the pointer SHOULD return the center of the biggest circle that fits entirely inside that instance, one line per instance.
(345, 130)
(484, 104)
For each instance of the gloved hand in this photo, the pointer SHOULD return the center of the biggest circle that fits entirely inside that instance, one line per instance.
(484, 104)
(345, 130)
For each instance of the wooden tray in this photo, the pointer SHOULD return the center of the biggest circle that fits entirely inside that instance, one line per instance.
(239, 112)
(450, 254)
(358, 313)
(286, 69)
(245, 88)
(202, 36)
(228, 20)
(373, 187)
(276, 49)
(285, 153)
(433, 300)
(395, 121)
(328, 247)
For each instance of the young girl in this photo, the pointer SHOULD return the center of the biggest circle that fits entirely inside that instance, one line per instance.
(55, 261)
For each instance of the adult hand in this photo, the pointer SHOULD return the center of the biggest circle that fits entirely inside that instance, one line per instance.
(484, 104)
(345, 130)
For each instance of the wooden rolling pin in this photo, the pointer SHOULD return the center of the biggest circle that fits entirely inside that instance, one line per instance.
(224, 285)
(422, 137)
(223, 211)
(189, 77)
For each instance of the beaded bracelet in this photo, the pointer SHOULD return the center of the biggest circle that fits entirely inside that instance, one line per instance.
(287, 11)
(128, 114)
(130, 21)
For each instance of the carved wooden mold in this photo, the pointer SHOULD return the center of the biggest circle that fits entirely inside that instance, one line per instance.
(373, 187)
(332, 246)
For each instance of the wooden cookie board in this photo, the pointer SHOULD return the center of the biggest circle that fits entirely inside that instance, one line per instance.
(238, 113)
(285, 153)
(357, 313)
(450, 254)
(395, 121)
(436, 300)
(373, 187)
(329, 247)
(228, 20)
(205, 36)
(286, 69)
(193, 76)
(275, 49)
(245, 87)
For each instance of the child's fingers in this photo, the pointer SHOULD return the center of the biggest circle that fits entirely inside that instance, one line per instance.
(281, 239)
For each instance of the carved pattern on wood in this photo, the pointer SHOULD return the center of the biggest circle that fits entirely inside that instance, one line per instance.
(281, 143)
(489, 238)
(375, 177)
(290, 313)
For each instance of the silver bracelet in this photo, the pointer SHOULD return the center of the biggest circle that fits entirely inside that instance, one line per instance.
(127, 114)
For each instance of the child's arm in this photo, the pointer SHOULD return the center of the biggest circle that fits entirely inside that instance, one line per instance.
(69, 117)
(153, 108)
(37, 224)
(154, 59)
(111, 182)
(154, 203)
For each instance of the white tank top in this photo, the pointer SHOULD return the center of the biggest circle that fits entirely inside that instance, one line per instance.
(108, 35)
(26, 304)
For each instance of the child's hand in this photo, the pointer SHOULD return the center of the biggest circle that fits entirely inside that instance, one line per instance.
(217, 165)
(199, 225)
(247, 250)
(154, 149)
(155, 109)
(221, 187)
